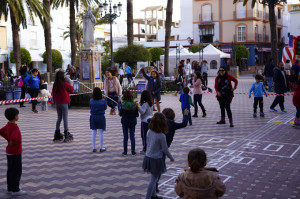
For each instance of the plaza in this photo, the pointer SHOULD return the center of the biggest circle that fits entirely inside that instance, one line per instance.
(258, 158)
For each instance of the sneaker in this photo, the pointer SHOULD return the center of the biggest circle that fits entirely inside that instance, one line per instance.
(142, 152)
(133, 153)
(19, 193)
(124, 154)
(254, 115)
(273, 109)
(204, 115)
(102, 150)
(283, 111)
(262, 114)
(94, 150)
(35, 111)
(195, 115)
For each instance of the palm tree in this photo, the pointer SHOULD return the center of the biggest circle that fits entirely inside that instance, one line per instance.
(272, 18)
(168, 34)
(129, 22)
(16, 9)
(72, 4)
(79, 34)
(47, 35)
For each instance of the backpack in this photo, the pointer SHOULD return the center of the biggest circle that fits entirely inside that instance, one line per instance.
(20, 84)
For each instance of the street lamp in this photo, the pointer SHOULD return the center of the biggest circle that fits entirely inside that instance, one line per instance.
(200, 44)
(110, 14)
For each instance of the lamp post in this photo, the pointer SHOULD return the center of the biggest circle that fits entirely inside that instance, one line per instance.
(110, 14)
(200, 44)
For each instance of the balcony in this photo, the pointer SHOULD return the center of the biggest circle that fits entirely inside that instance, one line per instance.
(244, 14)
(265, 16)
(265, 38)
(251, 37)
(205, 17)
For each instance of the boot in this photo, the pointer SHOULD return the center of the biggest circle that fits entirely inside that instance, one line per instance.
(58, 136)
(296, 122)
(204, 114)
(222, 121)
(68, 136)
(196, 113)
(231, 122)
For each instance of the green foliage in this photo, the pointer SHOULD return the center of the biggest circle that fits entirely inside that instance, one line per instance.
(105, 62)
(25, 56)
(155, 53)
(131, 54)
(195, 48)
(80, 100)
(169, 86)
(57, 58)
(241, 52)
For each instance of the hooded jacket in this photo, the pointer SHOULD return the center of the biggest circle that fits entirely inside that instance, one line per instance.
(296, 96)
(279, 81)
(129, 112)
(205, 184)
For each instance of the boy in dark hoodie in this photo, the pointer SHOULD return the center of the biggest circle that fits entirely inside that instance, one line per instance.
(129, 113)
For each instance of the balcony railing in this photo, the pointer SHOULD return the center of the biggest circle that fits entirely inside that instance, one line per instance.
(251, 37)
(205, 17)
(242, 14)
(265, 16)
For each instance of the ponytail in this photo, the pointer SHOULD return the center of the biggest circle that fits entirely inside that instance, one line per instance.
(196, 159)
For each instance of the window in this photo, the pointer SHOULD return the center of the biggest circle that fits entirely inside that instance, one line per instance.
(206, 13)
(33, 37)
(213, 64)
(241, 33)
(241, 10)
(279, 13)
(256, 11)
(256, 33)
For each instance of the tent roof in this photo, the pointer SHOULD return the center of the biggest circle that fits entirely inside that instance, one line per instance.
(210, 50)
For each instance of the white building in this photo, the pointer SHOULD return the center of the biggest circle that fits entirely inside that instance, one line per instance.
(294, 16)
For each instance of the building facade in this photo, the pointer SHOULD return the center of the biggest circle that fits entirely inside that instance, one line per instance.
(294, 16)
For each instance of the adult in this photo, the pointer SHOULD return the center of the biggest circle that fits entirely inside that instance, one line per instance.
(279, 87)
(113, 90)
(24, 71)
(61, 98)
(295, 73)
(224, 91)
(161, 71)
(269, 73)
(188, 71)
(32, 83)
(287, 71)
(204, 72)
(197, 85)
(121, 73)
(197, 67)
(128, 73)
(179, 79)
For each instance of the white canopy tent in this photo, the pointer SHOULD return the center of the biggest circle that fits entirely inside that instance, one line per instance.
(211, 54)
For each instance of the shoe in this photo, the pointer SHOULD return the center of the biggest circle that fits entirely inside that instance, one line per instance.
(21, 106)
(58, 136)
(68, 136)
(133, 153)
(35, 111)
(254, 115)
(283, 111)
(19, 193)
(102, 150)
(124, 154)
(262, 114)
(231, 125)
(94, 150)
(156, 197)
(191, 124)
(273, 109)
(142, 152)
(195, 115)
(204, 115)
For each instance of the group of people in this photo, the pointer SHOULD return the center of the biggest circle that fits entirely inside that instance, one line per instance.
(6, 78)
(73, 72)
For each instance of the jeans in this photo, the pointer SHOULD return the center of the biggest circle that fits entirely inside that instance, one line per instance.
(224, 103)
(125, 138)
(189, 116)
(111, 103)
(129, 78)
(198, 99)
(151, 190)
(144, 130)
(259, 100)
(278, 100)
(14, 172)
(270, 81)
(186, 80)
(44, 106)
(62, 113)
(205, 78)
(33, 94)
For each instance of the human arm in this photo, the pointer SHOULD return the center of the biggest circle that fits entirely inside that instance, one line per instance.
(220, 186)
(236, 82)
(251, 89)
(69, 88)
(264, 90)
(142, 109)
(144, 74)
(164, 147)
(26, 80)
(197, 83)
(178, 187)
(184, 122)
(191, 101)
(216, 87)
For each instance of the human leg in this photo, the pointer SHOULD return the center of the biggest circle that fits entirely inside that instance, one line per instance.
(65, 116)
(201, 105)
(132, 139)
(14, 170)
(94, 133)
(196, 101)
(23, 92)
(261, 104)
(205, 79)
(144, 129)
(125, 138)
(222, 107)
(59, 115)
(281, 102)
(101, 140)
(275, 102)
(151, 191)
(190, 117)
(270, 81)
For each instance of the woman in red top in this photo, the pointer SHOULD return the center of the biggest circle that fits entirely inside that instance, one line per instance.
(296, 102)
(224, 91)
(61, 98)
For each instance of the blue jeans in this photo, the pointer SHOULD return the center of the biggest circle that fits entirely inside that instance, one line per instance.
(189, 116)
(144, 130)
(151, 190)
(270, 81)
(125, 137)
(111, 103)
(129, 78)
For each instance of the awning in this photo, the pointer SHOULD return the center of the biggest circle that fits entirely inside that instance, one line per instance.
(36, 55)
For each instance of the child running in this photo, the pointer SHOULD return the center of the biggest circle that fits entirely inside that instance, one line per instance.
(186, 102)
(258, 91)
(12, 134)
(44, 93)
(198, 181)
(129, 113)
(197, 85)
(97, 119)
(157, 149)
(146, 112)
(154, 86)
(296, 102)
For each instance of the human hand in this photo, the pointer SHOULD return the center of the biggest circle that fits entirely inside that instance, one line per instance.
(218, 94)
(232, 89)
(186, 111)
(172, 160)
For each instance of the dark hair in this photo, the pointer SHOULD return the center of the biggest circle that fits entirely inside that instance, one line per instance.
(204, 61)
(34, 70)
(43, 86)
(146, 97)
(186, 90)
(188, 60)
(113, 71)
(11, 113)
(196, 159)
(59, 79)
(169, 113)
(199, 76)
(158, 123)
(287, 61)
(127, 96)
(157, 74)
(97, 94)
(258, 77)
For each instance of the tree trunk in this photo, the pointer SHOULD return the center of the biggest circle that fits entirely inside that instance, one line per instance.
(272, 19)
(168, 34)
(73, 32)
(16, 41)
(48, 41)
(129, 22)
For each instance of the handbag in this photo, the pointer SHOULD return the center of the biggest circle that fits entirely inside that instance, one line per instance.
(20, 84)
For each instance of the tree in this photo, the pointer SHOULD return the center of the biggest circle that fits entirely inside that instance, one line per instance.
(47, 35)
(155, 53)
(129, 22)
(241, 52)
(24, 55)
(105, 61)
(195, 48)
(272, 19)
(16, 9)
(56, 58)
(79, 34)
(168, 34)
(131, 54)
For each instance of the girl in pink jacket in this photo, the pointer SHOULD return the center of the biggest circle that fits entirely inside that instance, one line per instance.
(197, 85)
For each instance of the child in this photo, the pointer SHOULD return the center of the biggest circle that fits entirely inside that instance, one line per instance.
(197, 85)
(129, 113)
(153, 86)
(146, 112)
(197, 181)
(44, 93)
(97, 119)
(296, 102)
(12, 134)
(157, 149)
(186, 101)
(258, 90)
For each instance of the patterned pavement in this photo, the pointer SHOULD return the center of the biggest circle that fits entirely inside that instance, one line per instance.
(256, 158)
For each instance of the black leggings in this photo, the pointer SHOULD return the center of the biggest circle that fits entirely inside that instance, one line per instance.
(224, 103)
(198, 99)
(279, 99)
(33, 94)
(259, 100)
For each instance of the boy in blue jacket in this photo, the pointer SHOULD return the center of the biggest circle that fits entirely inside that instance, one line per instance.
(186, 102)
(258, 91)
